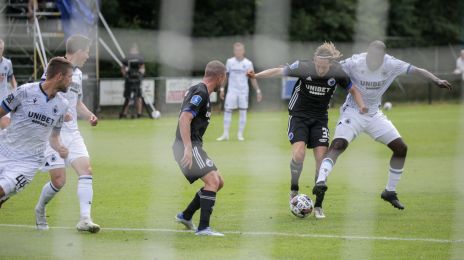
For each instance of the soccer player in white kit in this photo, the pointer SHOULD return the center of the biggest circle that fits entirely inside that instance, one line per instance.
(372, 72)
(37, 111)
(6, 75)
(77, 52)
(237, 91)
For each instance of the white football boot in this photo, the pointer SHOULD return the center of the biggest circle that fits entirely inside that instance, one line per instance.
(87, 225)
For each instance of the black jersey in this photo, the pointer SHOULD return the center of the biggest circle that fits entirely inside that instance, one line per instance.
(311, 94)
(196, 101)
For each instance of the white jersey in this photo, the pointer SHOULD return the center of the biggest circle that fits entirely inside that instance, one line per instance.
(238, 80)
(33, 116)
(6, 70)
(73, 95)
(372, 84)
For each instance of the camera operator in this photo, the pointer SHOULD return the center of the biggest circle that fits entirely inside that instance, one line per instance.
(133, 72)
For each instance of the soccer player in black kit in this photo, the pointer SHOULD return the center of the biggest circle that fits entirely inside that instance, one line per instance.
(188, 148)
(308, 116)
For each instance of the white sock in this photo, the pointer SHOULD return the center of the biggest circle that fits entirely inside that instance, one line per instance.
(394, 177)
(48, 192)
(325, 169)
(242, 121)
(227, 121)
(85, 195)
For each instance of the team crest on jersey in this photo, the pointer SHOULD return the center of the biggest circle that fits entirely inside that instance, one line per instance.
(55, 110)
(294, 65)
(196, 100)
(209, 163)
(331, 82)
(348, 121)
(290, 136)
(6, 67)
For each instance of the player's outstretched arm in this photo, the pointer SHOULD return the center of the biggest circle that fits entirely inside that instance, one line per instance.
(84, 112)
(269, 73)
(56, 144)
(358, 99)
(185, 120)
(428, 75)
(2, 112)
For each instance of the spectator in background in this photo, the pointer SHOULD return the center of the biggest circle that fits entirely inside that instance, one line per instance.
(6, 76)
(460, 64)
(133, 70)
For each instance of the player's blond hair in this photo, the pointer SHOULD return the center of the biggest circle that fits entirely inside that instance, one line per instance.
(328, 51)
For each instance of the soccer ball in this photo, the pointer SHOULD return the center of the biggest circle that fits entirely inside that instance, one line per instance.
(156, 114)
(387, 106)
(301, 205)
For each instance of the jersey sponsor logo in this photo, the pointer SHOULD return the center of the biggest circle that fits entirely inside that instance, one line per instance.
(209, 163)
(196, 100)
(331, 82)
(372, 84)
(294, 65)
(40, 119)
(317, 90)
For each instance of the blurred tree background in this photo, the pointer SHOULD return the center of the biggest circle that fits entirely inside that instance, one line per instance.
(411, 22)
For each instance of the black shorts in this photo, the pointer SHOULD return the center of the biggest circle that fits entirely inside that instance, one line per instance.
(201, 163)
(313, 132)
(132, 86)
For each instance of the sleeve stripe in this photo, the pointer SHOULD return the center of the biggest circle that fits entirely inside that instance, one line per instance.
(349, 85)
(5, 107)
(409, 68)
(191, 111)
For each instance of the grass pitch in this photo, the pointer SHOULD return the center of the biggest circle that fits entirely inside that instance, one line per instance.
(138, 189)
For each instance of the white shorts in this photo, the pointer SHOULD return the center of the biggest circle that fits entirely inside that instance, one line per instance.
(15, 174)
(76, 146)
(378, 127)
(234, 101)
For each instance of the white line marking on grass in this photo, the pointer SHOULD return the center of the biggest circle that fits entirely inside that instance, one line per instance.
(251, 233)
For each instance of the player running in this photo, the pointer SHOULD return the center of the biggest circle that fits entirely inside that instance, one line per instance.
(237, 91)
(37, 111)
(77, 52)
(188, 149)
(308, 116)
(6, 75)
(372, 72)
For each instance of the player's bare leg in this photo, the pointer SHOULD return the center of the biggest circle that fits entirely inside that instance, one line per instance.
(296, 166)
(49, 190)
(337, 147)
(397, 161)
(4, 122)
(138, 106)
(85, 194)
(3, 198)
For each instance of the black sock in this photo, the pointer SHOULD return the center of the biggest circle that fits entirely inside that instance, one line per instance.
(319, 200)
(295, 171)
(207, 200)
(193, 206)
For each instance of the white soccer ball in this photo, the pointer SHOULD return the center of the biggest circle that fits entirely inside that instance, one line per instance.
(301, 205)
(156, 114)
(387, 106)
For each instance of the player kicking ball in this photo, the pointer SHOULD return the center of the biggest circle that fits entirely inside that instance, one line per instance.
(188, 149)
(37, 111)
(372, 72)
(77, 52)
(308, 115)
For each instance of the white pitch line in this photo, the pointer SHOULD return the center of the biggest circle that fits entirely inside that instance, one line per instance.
(279, 234)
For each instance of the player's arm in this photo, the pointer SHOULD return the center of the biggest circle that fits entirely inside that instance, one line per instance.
(185, 121)
(358, 99)
(3, 112)
(255, 85)
(222, 88)
(269, 73)
(428, 75)
(56, 144)
(84, 112)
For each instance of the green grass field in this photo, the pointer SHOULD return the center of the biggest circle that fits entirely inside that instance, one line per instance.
(138, 189)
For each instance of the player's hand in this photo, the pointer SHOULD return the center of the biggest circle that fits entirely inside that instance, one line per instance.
(251, 74)
(444, 84)
(259, 96)
(63, 152)
(93, 120)
(363, 110)
(186, 161)
(67, 117)
(221, 94)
